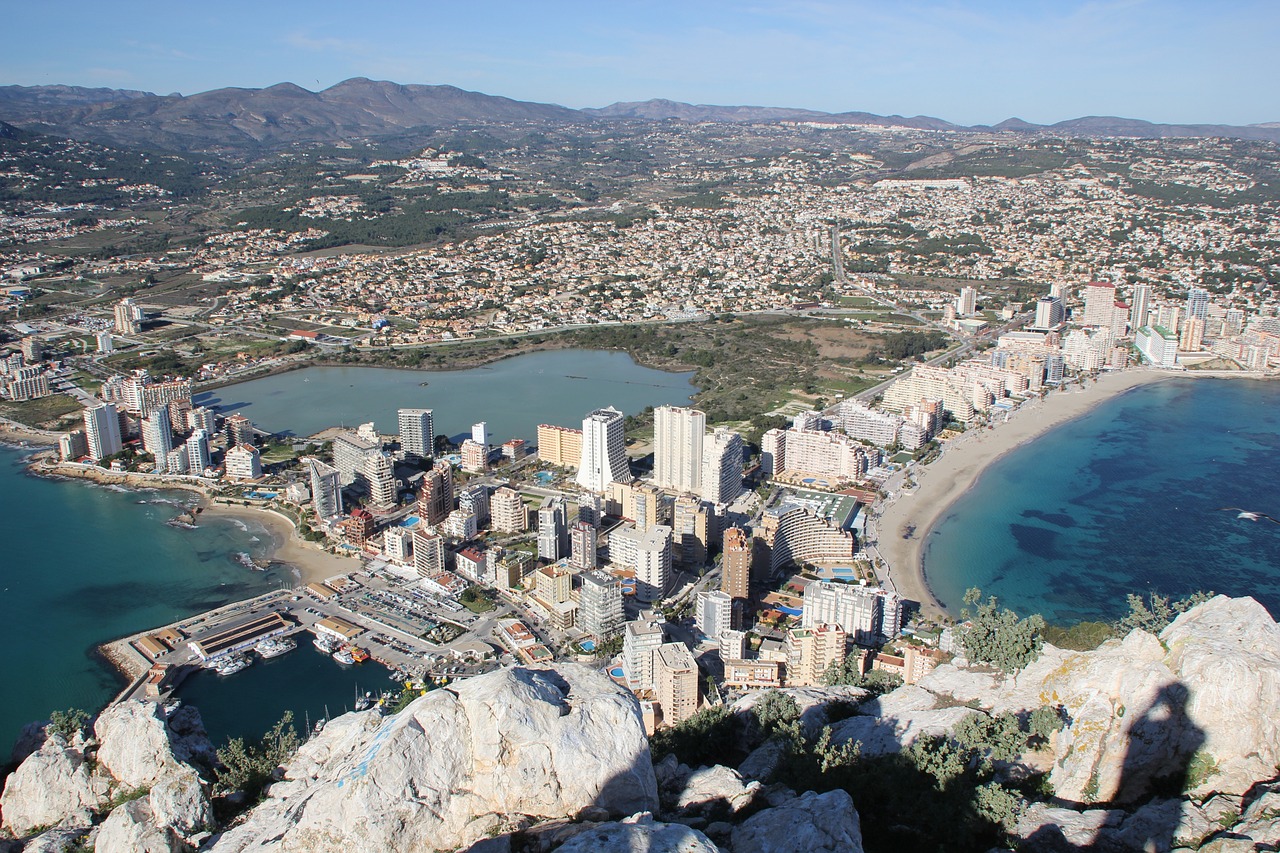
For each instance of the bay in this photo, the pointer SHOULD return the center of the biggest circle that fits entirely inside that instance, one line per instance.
(1128, 498)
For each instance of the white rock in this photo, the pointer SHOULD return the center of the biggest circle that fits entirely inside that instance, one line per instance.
(134, 743)
(130, 829)
(639, 838)
(897, 731)
(181, 801)
(536, 741)
(710, 787)
(52, 785)
(812, 823)
(983, 688)
(1162, 825)
(57, 840)
(1046, 828)
(764, 760)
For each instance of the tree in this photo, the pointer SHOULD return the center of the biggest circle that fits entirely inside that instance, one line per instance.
(67, 724)
(1156, 612)
(998, 636)
(248, 767)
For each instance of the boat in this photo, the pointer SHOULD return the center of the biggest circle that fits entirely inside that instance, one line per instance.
(343, 656)
(326, 643)
(275, 647)
(358, 654)
(365, 702)
(233, 664)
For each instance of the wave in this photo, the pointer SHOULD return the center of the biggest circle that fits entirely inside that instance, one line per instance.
(238, 523)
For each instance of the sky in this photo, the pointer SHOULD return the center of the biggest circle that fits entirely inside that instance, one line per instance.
(976, 62)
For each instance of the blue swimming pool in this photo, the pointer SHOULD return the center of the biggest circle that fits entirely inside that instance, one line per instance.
(544, 477)
(790, 611)
(588, 645)
(410, 521)
(617, 672)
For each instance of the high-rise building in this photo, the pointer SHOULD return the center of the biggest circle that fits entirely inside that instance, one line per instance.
(640, 640)
(157, 435)
(868, 615)
(1099, 304)
(582, 546)
(381, 477)
(198, 452)
(604, 451)
(735, 563)
(480, 434)
(435, 499)
(1140, 308)
(591, 508)
(326, 491)
(559, 445)
(714, 613)
(1198, 304)
(243, 462)
(693, 527)
(128, 317)
(102, 431)
(509, 512)
(967, 302)
(428, 552)
(417, 433)
(677, 448)
(810, 651)
(773, 452)
(675, 677)
(352, 454)
(475, 456)
(475, 499)
(551, 529)
(722, 466)
(600, 605)
(1192, 335)
(1049, 313)
(32, 349)
(72, 446)
(239, 430)
(202, 418)
(653, 562)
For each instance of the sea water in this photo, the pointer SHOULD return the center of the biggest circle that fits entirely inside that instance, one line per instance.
(1129, 498)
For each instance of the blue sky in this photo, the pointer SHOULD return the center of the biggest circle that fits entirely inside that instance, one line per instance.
(968, 62)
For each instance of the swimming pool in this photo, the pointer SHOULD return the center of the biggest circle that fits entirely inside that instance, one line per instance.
(617, 672)
(544, 477)
(588, 645)
(410, 521)
(790, 611)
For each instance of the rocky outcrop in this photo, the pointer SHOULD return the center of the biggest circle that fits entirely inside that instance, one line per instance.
(140, 745)
(534, 741)
(1181, 709)
(132, 828)
(706, 790)
(813, 702)
(644, 836)
(812, 823)
(893, 722)
(54, 784)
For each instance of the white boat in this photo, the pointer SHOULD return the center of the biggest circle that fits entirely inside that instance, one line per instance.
(234, 664)
(343, 656)
(275, 647)
(325, 643)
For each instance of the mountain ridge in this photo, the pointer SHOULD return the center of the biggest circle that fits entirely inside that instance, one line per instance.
(236, 118)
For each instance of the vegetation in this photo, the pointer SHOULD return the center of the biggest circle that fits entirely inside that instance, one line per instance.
(67, 724)
(705, 738)
(999, 637)
(875, 682)
(477, 599)
(247, 766)
(1154, 613)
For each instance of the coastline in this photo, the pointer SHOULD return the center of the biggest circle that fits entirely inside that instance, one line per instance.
(903, 524)
(313, 564)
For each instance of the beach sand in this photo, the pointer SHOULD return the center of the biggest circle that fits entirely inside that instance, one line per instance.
(312, 562)
(944, 482)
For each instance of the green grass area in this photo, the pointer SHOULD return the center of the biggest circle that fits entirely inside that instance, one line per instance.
(45, 412)
(858, 302)
(903, 320)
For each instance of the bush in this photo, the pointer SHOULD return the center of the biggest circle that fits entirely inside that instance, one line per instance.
(998, 636)
(67, 724)
(248, 767)
(705, 738)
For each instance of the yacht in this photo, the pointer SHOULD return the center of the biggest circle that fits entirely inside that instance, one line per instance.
(326, 643)
(343, 656)
(233, 664)
(275, 647)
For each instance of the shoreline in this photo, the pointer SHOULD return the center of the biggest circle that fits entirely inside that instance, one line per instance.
(903, 524)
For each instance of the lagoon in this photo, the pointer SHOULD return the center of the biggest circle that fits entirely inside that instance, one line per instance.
(513, 395)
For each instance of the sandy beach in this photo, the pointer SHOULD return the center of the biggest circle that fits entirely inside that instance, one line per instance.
(312, 563)
(945, 481)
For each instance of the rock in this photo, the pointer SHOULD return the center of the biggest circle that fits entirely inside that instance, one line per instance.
(53, 785)
(719, 829)
(29, 740)
(776, 795)
(181, 801)
(670, 773)
(544, 742)
(1260, 820)
(639, 838)
(1182, 708)
(812, 823)
(896, 731)
(130, 828)
(138, 747)
(812, 701)
(764, 760)
(963, 685)
(57, 840)
(1057, 830)
(1162, 825)
(708, 789)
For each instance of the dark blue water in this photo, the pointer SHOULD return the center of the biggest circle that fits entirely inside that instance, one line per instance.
(1125, 499)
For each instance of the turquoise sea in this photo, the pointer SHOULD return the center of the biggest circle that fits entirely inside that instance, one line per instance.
(1127, 498)
(87, 564)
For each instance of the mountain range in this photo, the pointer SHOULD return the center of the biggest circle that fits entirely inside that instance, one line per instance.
(235, 119)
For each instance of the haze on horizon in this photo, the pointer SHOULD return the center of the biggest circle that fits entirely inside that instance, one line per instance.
(1179, 61)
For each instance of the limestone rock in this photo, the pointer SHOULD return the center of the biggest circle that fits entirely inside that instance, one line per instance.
(812, 701)
(764, 760)
(893, 721)
(56, 840)
(139, 747)
(130, 828)
(710, 788)
(181, 801)
(964, 685)
(52, 785)
(1163, 825)
(1046, 829)
(29, 740)
(544, 742)
(811, 823)
(639, 838)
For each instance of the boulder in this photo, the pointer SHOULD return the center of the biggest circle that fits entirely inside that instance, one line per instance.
(181, 801)
(893, 721)
(139, 747)
(714, 788)
(1046, 829)
(964, 685)
(646, 837)
(57, 840)
(812, 701)
(764, 760)
(1163, 825)
(811, 823)
(54, 784)
(545, 742)
(131, 828)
